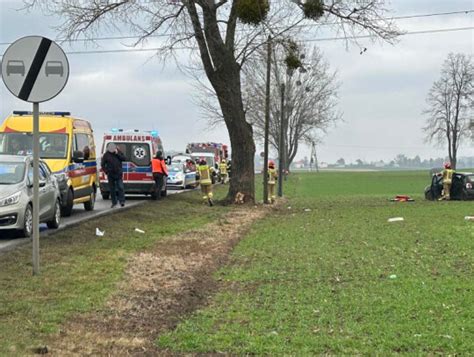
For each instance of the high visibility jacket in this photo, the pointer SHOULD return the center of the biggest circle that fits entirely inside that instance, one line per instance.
(159, 167)
(272, 175)
(204, 175)
(223, 168)
(448, 175)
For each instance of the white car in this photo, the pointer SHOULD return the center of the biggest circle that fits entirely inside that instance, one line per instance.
(16, 195)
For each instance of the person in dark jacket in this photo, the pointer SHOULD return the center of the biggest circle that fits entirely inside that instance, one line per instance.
(112, 165)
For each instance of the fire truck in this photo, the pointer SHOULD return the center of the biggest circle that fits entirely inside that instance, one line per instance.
(213, 153)
(139, 147)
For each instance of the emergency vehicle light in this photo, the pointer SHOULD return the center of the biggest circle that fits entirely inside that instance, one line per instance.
(24, 112)
(154, 133)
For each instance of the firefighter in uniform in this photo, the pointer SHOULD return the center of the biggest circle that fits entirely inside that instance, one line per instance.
(447, 180)
(272, 177)
(223, 171)
(205, 181)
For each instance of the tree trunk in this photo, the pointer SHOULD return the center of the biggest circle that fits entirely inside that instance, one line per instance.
(240, 132)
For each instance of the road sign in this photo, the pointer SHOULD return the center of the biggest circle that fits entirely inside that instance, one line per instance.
(35, 69)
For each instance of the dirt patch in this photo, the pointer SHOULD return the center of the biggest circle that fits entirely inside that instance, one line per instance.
(160, 287)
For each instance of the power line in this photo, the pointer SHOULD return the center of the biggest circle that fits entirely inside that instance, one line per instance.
(113, 38)
(155, 49)
(403, 34)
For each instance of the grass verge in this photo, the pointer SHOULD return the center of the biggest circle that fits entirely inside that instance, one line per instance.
(331, 275)
(79, 271)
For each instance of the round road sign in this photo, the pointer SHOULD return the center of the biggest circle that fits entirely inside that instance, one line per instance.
(35, 69)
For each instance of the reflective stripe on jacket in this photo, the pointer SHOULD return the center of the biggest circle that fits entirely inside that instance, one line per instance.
(159, 167)
(272, 175)
(223, 168)
(204, 175)
(448, 175)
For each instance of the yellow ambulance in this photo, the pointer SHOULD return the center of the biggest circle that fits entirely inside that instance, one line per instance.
(66, 145)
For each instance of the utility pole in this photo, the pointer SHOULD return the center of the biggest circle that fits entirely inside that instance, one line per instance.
(314, 156)
(281, 145)
(267, 121)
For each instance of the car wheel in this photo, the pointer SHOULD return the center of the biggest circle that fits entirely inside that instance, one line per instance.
(28, 222)
(105, 195)
(66, 210)
(464, 195)
(429, 196)
(165, 192)
(54, 223)
(89, 205)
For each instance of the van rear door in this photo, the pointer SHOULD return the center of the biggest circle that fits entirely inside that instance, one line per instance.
(137, 168)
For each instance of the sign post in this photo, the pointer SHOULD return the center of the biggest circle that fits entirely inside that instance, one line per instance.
(35, 69)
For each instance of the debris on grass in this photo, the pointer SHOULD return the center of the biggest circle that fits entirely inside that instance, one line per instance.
(469, 218)
(402, 198)
(138, 230)
(393, 276)
(447, 336)
(307, 209)
(396, 219)
(99, 233)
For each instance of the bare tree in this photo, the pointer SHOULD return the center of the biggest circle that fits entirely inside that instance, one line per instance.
(226, 33)
(451, 103)
(311, 99)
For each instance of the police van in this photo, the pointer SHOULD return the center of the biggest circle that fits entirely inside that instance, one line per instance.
(138, 147)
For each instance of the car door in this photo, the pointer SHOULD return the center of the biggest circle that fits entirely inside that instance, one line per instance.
(457, 186)
(436, 186)
(47, 193)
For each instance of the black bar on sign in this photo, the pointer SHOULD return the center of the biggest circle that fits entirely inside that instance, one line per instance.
(35, 69)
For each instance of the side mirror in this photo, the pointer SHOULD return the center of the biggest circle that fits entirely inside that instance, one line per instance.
(168, 160)
(78, 157)
(42, 183)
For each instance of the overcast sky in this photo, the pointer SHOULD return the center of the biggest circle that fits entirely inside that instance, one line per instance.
(382, 94)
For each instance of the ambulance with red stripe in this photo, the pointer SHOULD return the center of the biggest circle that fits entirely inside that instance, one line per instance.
(139, 147)
(66, 145)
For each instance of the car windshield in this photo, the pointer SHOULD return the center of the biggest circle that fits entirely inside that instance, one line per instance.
(176, 167)
(52, 146)
(11, 172)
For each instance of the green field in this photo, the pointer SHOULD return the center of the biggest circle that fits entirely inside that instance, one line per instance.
(331, 275)
(79, 271)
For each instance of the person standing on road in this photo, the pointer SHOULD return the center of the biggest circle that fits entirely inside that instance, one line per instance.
(112, 165)
(447, 180)
(160, 171)
(272, 177)
(205, 181)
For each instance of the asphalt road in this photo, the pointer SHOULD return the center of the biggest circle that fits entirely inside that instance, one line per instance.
(102, 207)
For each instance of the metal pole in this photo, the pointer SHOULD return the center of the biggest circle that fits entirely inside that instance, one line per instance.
(36, 264)
(281, 144)
(267, 122)
(316, 158)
